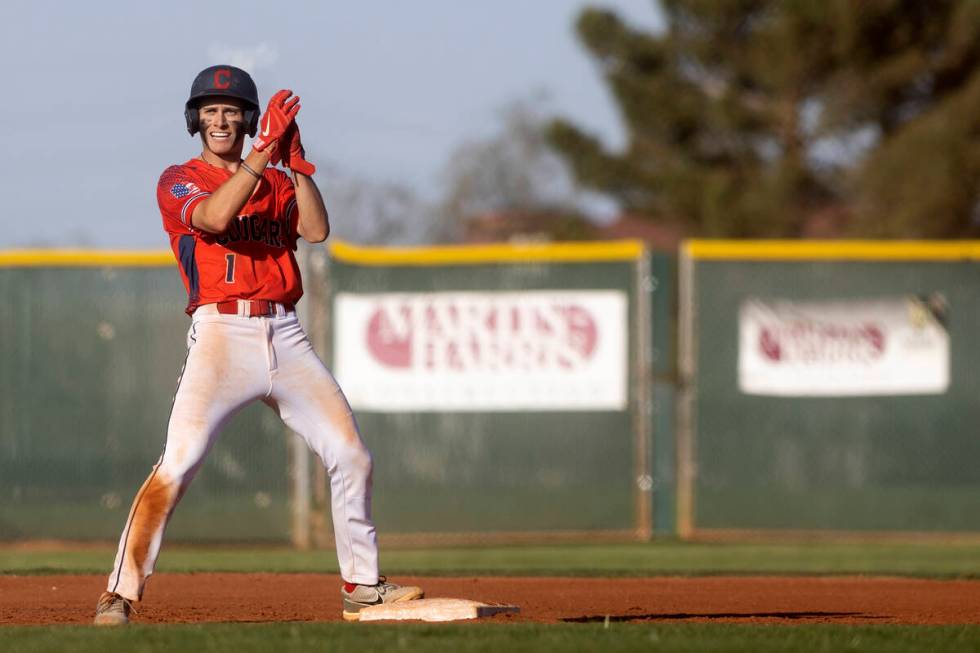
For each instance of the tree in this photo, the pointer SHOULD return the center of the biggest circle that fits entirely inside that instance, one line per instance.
(516, 175)
(746, 117)
(377, 213)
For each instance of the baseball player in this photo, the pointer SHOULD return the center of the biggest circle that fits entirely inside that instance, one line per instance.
(233, 226)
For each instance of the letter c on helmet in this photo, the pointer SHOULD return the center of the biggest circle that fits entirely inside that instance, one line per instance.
(222, 78)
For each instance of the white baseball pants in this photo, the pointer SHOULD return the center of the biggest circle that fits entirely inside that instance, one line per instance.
(232, 361)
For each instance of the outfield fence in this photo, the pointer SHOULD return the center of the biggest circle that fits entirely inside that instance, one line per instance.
(524, 393)
(504, 390)
(829, 386)
(91, 344)
(505, 393)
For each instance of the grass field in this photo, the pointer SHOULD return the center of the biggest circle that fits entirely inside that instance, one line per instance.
(665, 558)
(657, 559)
(476, 638)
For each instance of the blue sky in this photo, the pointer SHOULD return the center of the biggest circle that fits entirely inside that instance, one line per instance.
(95, 92)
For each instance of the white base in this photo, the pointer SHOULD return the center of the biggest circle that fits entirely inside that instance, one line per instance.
(434, 610)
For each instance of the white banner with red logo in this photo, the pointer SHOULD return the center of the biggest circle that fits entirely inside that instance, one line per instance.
(483, 351)
(895, 346)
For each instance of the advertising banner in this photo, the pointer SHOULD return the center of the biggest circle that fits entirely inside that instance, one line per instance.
(885, 346)
(483, 351)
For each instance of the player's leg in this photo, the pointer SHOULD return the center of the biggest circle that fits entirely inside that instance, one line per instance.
(311, 403)
(224, 370)
(318, 413)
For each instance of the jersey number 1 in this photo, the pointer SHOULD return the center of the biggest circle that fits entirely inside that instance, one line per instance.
(229, 268)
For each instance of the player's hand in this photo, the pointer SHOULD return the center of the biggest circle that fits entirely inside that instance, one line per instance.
(292, 152)
(278, 116)
(275, 152)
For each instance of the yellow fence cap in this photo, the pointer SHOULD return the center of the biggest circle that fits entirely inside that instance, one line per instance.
(613, 250)
(858, 250)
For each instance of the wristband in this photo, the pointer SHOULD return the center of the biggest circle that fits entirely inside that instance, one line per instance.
(249, 170)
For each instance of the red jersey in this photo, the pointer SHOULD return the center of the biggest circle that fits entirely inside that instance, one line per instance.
(253, 258)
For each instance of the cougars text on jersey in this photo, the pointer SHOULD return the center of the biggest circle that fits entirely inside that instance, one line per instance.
(254, 228)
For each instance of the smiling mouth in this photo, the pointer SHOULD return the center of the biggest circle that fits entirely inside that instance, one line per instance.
(220, 134)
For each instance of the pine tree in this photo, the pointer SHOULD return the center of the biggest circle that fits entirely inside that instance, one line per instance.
(746, 117)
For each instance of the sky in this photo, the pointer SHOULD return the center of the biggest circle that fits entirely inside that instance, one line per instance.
(95, 92)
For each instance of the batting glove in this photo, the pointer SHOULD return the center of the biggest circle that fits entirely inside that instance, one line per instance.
(293, 154)
(280, 114)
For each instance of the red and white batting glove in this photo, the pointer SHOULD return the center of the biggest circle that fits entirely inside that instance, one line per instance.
(292, 152)
(275, 152)
(278, 116)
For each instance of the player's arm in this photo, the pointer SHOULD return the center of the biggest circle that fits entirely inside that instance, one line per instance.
(314, 223)
(216, 212)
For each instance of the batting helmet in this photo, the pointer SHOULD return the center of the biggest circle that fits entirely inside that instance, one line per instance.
(223, 81)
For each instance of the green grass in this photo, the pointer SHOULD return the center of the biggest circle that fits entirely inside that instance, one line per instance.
(475, 638)
(662, 558)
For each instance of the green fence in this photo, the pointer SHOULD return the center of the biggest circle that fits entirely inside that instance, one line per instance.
(90, 351)
(507, 470)
(91, 344)
(875, 462)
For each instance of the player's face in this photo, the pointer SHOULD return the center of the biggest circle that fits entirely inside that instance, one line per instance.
(222, 125)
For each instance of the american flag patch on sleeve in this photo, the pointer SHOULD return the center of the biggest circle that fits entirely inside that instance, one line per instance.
(183, 189)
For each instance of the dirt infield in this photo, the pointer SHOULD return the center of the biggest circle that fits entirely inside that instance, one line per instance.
(211, 597)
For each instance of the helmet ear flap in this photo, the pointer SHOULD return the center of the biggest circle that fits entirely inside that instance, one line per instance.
(193, 118)
(251, 121)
